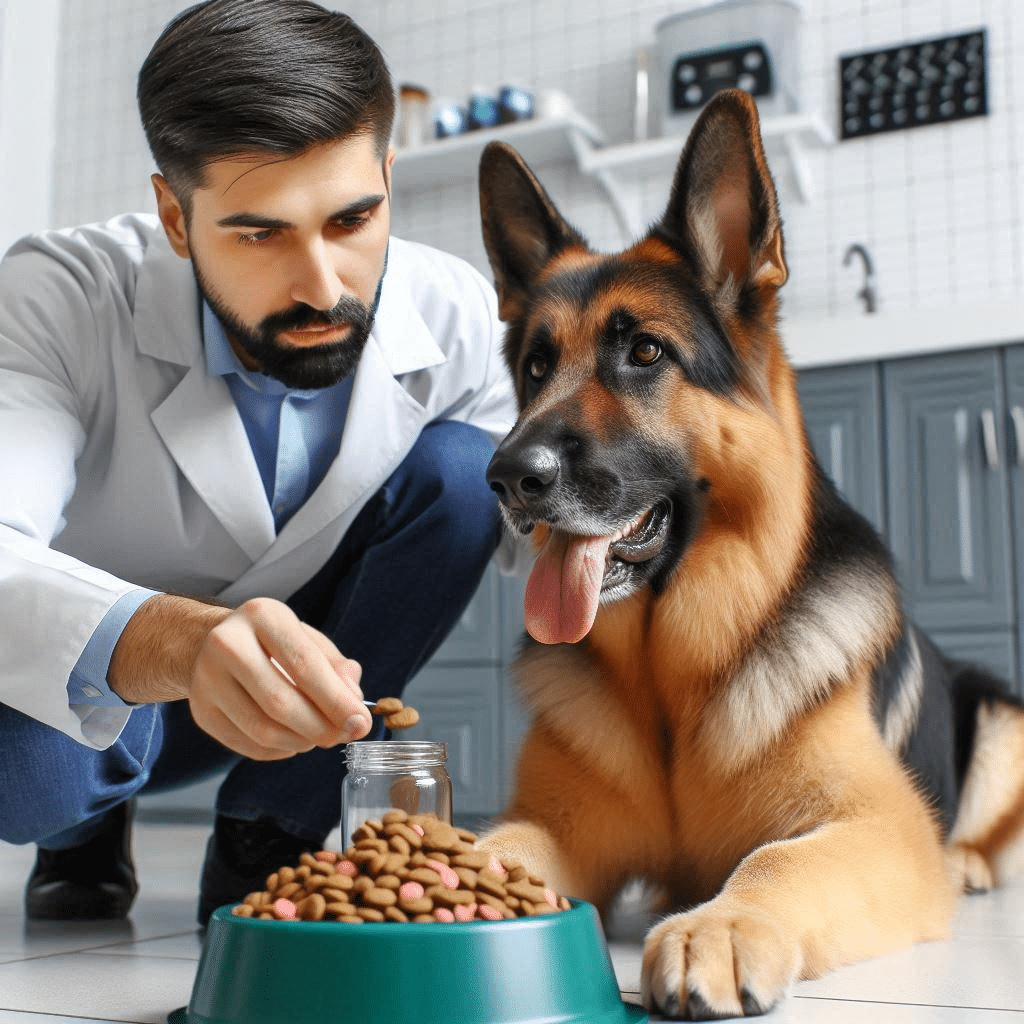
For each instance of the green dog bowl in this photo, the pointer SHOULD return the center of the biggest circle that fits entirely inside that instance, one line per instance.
(553, 969)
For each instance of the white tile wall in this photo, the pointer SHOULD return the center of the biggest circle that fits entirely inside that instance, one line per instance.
(940, 208)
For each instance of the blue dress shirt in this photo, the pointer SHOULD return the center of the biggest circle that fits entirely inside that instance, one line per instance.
(294, 435)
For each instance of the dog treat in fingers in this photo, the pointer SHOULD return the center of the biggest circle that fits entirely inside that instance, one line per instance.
(396, 714)
(404, 868)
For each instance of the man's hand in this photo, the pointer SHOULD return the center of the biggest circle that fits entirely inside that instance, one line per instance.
(220, 659)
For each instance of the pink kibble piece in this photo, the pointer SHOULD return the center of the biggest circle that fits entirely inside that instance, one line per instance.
(346, 867)
(411, 890)
(418, 829)
(496, 866)
(488, 913)
(327, 856)
(449, 879)
(444, 914)
(551, 897)
(284, 908)
(465, 911)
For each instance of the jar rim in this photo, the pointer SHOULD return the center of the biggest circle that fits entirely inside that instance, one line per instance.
(395, 753)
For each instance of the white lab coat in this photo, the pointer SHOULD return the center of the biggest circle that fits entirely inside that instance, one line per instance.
(123, 464)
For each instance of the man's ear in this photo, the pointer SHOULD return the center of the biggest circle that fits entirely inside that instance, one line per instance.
(389, 163)
(172, 216)
(522, 229)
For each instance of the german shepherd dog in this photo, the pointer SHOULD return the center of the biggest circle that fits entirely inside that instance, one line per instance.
(727, 700)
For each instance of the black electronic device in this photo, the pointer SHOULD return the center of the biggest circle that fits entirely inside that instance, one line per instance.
(696, 77)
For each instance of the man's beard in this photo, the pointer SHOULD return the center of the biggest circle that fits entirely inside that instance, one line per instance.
(305, 368)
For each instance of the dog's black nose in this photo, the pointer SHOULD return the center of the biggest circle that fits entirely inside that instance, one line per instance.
(521, 474)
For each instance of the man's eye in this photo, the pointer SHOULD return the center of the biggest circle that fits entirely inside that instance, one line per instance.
(354, 223)
(256, 237)
(536, 367)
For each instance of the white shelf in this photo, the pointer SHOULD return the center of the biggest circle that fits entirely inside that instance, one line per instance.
(573, 138)
(540, 141)
(663, 153)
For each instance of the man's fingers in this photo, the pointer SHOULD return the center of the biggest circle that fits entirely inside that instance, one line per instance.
(214, 722)
(331, 684)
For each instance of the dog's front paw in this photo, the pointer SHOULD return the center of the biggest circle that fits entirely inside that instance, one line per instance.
(711, 963)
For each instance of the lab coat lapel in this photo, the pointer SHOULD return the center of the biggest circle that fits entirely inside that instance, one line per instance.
(200, 425)
(198, 420)
(383, 419)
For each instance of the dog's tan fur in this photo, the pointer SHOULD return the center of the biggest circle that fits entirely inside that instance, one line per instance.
(717, 739)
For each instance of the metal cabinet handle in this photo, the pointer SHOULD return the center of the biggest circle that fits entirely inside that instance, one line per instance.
(1017, 415)
(988, 432)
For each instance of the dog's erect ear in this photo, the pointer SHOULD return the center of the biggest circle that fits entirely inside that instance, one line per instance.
(522, 229)
(723, 207)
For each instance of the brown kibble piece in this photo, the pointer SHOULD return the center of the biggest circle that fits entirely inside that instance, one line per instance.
(425, 876)
(387, 706)
(380, 898)
(488, 881)
(312, 908)
(411, 836)
(404, 719)
(370, 914)
(498, 905)
(394, 914)
(243, 910)
(419, 905)
(451, 897)
(467, 876)
(476, 861)
(341, 909)
(395, 817)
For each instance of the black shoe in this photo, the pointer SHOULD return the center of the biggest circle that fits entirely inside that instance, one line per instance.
(239, 857)
(92, 882)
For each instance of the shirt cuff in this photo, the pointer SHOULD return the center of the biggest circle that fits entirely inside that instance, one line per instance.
(87, 684)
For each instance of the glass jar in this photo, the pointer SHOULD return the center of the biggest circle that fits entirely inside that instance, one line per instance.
(384, 775)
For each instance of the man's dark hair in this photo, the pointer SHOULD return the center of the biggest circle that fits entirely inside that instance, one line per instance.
(229, 77)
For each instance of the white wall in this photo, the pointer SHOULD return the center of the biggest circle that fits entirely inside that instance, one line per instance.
(941, 208)
(28, 91)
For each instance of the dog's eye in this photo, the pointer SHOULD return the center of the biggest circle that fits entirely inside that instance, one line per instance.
(536, 367)
(645, 352)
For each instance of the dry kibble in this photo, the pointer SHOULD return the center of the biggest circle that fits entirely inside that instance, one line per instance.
(404, 868)
(396, 715)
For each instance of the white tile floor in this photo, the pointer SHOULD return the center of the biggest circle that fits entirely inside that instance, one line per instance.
(138, 971)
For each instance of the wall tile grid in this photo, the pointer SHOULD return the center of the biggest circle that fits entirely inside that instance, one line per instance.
(940, 208)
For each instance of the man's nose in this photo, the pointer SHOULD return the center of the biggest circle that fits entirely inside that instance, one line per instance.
(316, 281)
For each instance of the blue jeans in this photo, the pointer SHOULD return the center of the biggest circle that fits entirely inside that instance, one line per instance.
(389, 595)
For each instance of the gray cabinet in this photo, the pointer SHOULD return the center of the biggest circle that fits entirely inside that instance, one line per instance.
(842, 412)
(948, 507)
(936, 438)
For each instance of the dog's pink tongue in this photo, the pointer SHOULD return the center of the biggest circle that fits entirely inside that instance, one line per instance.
(564, 587)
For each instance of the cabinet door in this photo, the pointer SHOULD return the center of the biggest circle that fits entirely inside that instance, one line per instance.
(842, 411)
(1014, 363)
(476, 636)
(458, 705)
(947, 489)
(995, 650)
